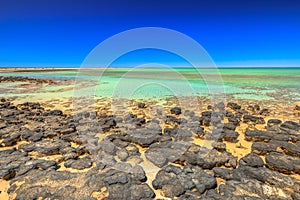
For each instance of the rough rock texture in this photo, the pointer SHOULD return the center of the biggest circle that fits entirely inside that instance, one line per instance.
(207, 158)
(252, 160)
(283, 163)
(175, 181)
(257, 182)
(263, 148)
(162, 153)
(47, 154)
(265, 136)
(175, 110)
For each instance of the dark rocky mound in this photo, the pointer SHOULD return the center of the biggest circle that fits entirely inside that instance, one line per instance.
(59, 156)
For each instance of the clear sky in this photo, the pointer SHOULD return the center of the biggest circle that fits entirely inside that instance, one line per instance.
(61, 33)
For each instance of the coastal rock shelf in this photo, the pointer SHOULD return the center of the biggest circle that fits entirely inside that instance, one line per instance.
(224, 151)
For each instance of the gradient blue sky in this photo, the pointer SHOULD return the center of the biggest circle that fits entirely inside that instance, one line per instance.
(60, 33)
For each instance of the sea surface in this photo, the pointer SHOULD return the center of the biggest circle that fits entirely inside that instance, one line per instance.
(248, 83)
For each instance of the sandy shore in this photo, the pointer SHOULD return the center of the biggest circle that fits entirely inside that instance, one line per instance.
(34, 69)
(238, 146)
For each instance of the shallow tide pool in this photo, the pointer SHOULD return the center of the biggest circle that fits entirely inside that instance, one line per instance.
(256, 83)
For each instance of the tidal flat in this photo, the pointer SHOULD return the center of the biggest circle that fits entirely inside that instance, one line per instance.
(66, 134)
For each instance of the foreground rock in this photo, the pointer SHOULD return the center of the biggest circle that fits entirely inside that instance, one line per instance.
(100, 156)
(257, 182)
(252, 160)
(161, 154)
(125, 184)
(208, 158)
(291, 125)
(175, 181)
(266, 136)
(15, 163)
(263, 148)
(283, 163)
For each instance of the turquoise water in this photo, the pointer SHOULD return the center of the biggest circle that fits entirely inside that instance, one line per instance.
(256, 83)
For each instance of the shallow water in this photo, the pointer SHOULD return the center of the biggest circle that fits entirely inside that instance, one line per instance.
(257, 83)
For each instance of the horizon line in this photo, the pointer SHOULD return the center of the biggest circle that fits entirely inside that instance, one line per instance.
(123, 67)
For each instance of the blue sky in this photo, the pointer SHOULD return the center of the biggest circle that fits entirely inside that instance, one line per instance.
(61, 33)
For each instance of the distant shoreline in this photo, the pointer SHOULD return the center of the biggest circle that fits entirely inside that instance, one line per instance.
(49, 69)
